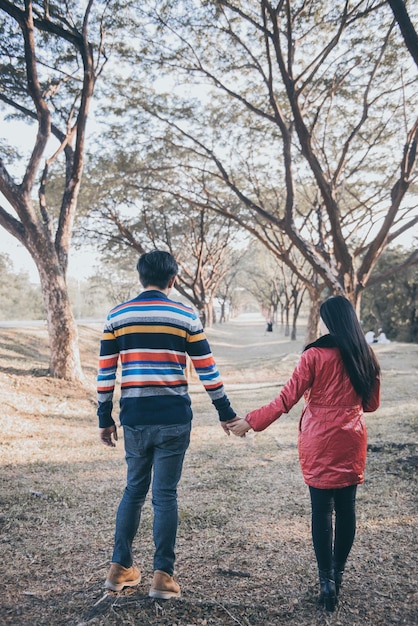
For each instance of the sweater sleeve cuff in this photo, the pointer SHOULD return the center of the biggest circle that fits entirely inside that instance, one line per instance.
(104, 413)
(224, 408)
(106, 422)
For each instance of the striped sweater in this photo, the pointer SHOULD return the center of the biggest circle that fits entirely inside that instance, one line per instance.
(151, 336)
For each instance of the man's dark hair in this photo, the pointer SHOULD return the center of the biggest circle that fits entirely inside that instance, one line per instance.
(156, 268)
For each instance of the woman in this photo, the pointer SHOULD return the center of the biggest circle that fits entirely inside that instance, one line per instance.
(340, 378)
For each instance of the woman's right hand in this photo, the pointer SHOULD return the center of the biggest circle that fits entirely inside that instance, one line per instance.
(239, 427)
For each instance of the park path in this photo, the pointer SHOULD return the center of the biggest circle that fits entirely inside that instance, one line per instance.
(246, 355)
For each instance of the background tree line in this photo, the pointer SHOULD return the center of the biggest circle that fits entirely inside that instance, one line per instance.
(257, 282)
(294, 123)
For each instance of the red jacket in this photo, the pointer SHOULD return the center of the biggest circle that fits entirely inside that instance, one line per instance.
(332, 439)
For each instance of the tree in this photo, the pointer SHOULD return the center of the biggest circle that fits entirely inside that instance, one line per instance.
(49, 68)
(228, 285)
(274, 286)
(293, 291)
(312, 134)
(19, 299)
(264, 285)
(129, 219)
(391, 300)
(407, 29)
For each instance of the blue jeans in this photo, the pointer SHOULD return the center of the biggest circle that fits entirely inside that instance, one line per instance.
(161, 449)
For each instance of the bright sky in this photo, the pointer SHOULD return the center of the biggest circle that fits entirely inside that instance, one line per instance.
(81, 263)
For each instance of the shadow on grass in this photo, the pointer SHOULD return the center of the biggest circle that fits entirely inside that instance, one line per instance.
(57, 523)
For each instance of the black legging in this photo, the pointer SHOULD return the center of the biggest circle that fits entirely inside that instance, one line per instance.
(324, 501)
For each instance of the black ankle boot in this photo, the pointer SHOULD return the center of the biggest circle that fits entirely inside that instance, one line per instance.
(338, 571)
(327, 594)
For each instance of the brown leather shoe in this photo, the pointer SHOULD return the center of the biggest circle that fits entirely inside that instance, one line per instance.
(164, 586)
(120, 577)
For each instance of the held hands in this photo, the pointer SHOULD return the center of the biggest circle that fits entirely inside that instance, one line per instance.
(106, 436)
(239, 426)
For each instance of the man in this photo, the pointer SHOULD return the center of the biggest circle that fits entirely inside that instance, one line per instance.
(151, 335)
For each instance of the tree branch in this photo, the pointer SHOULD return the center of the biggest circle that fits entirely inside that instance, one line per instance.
(375, 279)
(406, 27)
(398, 192)
(12, 225)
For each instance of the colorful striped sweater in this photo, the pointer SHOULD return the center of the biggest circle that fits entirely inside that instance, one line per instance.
(151, 336)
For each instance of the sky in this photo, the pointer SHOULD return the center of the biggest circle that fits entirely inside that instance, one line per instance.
(81, 264)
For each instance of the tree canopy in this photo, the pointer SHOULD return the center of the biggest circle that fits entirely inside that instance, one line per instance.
(297, 120)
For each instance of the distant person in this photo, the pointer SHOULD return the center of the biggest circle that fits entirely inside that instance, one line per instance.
(152, 336)
(381, 338)
(269, 326)
(370, 338)
(339, 376)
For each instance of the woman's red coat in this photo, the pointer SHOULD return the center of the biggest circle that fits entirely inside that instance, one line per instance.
(332, 439)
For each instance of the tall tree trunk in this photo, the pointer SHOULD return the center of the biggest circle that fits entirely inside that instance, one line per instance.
(209, 314)
(63, 334)
(313, 317)
(407, 28)
(293, 333)
(287, 323)
(62, 328)
(356, 302)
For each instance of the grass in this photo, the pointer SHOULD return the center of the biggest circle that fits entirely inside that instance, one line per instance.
(244, 548)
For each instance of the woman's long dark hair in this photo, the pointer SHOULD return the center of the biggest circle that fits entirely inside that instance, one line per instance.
(359, 359)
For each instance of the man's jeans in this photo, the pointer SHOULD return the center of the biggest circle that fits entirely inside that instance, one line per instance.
(161, 448)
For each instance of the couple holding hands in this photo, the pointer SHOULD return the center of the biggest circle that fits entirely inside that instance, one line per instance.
(338, 375)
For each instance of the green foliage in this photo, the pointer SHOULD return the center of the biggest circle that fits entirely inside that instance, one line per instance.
(392, 303)
(90, 299)
(19, 298)
(296, 133)
(190, 85)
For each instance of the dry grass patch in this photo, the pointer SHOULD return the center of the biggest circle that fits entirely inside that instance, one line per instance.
(244, 548)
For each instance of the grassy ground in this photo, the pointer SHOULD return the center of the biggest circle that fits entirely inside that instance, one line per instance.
(244, 549)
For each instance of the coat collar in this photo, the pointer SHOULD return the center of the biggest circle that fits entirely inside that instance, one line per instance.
(326, 341)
